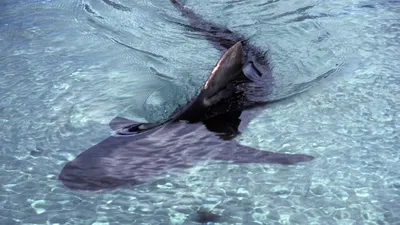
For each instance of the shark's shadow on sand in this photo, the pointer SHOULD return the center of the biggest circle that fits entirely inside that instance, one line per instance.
(203, 129)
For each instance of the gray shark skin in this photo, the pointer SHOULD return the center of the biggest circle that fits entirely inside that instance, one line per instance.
(203, 129)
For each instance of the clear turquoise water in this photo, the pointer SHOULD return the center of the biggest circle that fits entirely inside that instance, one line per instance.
(68, 67)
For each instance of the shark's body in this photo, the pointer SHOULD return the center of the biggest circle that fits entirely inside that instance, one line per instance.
(201, 130)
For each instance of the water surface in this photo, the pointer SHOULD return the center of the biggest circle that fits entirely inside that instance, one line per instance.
(69, 67)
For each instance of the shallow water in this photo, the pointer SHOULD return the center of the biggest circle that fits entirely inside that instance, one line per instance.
(68, 67)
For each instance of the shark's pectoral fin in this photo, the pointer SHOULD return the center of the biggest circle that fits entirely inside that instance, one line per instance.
(120, 122)
(243, 154)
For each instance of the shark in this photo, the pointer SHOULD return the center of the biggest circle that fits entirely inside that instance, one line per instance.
(204, 129)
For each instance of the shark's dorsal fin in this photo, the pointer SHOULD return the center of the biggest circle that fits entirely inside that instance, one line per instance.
(217, 86)
(227, 69)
